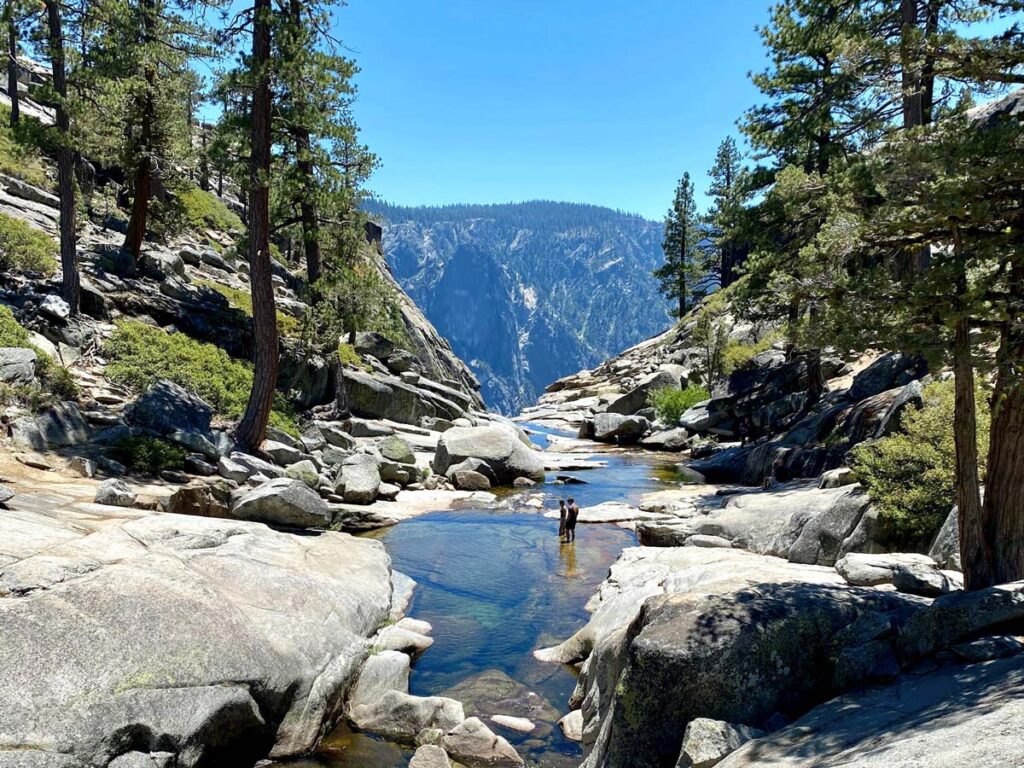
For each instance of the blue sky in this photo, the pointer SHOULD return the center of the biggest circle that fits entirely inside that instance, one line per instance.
(604, 102)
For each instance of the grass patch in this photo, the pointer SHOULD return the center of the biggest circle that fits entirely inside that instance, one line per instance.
(737, 354)
(23, 248)
(911, 475)
(204, 210)
(669, 404)
(148, 455)
(53, 381)
(140, 354)
(347, 355)
(242, 300)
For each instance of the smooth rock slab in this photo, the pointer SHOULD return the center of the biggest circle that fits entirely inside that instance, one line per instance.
(215, 639)
(382, 672)
(866, 570)
(954, 717)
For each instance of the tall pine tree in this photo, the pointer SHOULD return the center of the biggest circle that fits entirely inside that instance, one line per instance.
(685, 265)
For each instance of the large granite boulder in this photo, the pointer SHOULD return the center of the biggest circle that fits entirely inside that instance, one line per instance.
(283, 501)
(499, 446)
(359, 479)
(955, 716)
(743, 658)
(399, 716)
(636, 398)
(476, 746)
(218, 641)
(613, 427)
(893, 369)
(63, 425)
(706, 742)
(166, 407)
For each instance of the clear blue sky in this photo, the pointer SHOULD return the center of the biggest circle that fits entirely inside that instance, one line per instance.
(605, 102)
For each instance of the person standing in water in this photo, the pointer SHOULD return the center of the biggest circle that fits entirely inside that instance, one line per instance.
(561, 519)
(572, 513)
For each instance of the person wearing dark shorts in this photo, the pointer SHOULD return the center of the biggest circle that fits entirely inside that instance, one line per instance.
(561, 518)
(572, 513)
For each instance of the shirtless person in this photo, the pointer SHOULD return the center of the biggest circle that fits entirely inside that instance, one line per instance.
(571, 515)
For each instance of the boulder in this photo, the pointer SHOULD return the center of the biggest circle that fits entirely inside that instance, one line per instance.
(82, 466)
(674, 440)
(335, 435)
(283, 501)
(925, 579)
(256, 466)
(762, 650)
(945, 548)
(63, 425)
(160, 264)
(17, 365)
(836, 478)
(468, 480)
(282, 454)
(382, 672)
(498, 446)
(202, 499)
(25, 433)
(636, 398)
(233, 470)
(954, 716)
(402, 639)
(399, 716)
(869, 570)
(55, 307)
(954, 617)
(395, 448)
(706, 742)
(893, 369)
(305, 471)
(166, 407)
(6, 494)
(114, 493)
(359, 479)
(476, 746)
(612, 427)
(572, 725)
(430, 756)
(216, 640)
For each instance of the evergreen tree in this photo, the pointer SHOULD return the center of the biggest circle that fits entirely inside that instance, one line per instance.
(727, 197)
(252, 428)
(685, 265)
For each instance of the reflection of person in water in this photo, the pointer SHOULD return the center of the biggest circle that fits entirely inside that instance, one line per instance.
(568, 556)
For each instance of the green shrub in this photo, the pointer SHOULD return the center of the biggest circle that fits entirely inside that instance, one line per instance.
(148, 455)
(140, 354)
(669, 404)
(910, 475)
(23, 248)
(204, 210)
(19, 155)
(737, 354)
(347, 355)
(242, 300)
(55, 382)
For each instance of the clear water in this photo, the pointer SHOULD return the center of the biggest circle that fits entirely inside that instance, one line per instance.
(497, 584)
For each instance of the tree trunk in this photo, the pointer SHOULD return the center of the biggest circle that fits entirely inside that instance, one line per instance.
(1004, 485)
(910, 66)
(974, 552)
(253, 426)
(144, 168)
(307, 209)
(12, 62)
(70, 284)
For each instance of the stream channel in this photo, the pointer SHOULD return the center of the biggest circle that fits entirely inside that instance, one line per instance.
(496, 583)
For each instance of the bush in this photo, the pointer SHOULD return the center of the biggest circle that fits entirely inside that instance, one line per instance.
(347, 355)
(670, 403)
(148, 455)
(19, 154)
(204, 210)
(737, 354)
(140, 354)
(54, 380)
(910, 475)
(242, 300)
(23, 248)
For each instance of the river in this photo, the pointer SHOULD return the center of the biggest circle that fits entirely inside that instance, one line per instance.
(496, 584)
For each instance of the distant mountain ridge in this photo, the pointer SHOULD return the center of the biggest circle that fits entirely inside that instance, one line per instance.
(528, 292)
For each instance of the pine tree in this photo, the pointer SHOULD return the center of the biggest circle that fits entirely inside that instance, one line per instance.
(252, 428)
(727, 195)
(685, 264)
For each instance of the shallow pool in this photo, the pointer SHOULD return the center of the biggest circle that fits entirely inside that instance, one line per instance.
(497, 584)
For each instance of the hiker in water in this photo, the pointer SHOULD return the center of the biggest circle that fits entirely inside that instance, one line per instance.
(561, 518)
(572, 512)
